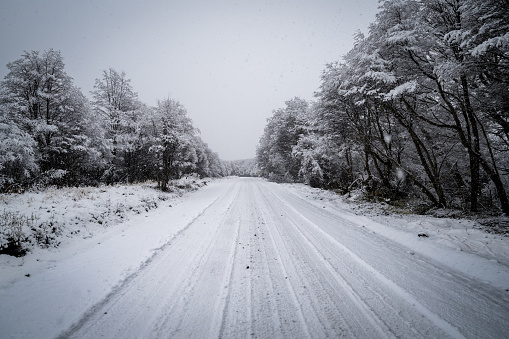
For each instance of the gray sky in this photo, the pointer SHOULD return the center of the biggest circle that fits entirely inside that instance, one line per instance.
(230, 63)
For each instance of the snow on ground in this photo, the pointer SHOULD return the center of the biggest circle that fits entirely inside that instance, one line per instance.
(70, 279)
(122, 236)
(426, 234)
(55, 220)
(84, 212)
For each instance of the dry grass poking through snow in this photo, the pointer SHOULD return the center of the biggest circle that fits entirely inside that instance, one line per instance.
(46, 218)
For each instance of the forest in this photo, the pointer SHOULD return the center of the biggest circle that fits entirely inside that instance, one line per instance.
(51, 134)
(418, 109)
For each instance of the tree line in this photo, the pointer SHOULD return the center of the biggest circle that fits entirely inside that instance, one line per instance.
(419, 107)
(51, 134)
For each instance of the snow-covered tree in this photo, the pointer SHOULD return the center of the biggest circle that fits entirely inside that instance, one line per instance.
(431, 39)
(420, 102)
(51, 134)
(243, 168)
(40, 100)
(18, 163)
(173, 143)
(424, 76)
(274, 152)
(116, 104)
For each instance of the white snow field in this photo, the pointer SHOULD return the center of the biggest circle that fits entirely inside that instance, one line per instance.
(247, 258)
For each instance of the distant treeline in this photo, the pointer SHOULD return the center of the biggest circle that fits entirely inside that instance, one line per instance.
(242, 168)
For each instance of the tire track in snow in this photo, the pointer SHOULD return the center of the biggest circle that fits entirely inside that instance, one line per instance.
(228, 282)
(217, 326)
(329, 291)
(123, 321)
(291, 291)
(473, 308)
(230, 323)
(311, 274)
(434, 318)
(276, 296)
(203, 282)
(261, 301)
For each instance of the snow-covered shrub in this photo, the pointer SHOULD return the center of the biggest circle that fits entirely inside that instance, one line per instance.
(78, 193)
(280, 178)
(185, 182)
(48, 217)
(12, 235)
(46, 234)
(148, 203)
(53, 177)
(18, 232)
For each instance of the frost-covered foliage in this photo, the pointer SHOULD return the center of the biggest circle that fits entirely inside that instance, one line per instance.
(177, 147)
(17, 153)
(274, 153)
(417, 108)
(157, 143)
(48, 129)
(51, 134)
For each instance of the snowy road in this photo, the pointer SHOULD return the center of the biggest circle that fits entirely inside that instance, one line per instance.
(262, 262)
(248, 258)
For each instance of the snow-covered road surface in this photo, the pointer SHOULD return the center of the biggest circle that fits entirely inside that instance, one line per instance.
(258, 260)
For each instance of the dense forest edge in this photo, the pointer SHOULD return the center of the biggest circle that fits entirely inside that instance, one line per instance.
(416, 114)
(53, 135)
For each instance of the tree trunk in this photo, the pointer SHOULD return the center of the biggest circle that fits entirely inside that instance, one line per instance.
(475, 153)
(427, 159)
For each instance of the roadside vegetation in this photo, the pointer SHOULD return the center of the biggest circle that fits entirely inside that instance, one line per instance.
(415, 115)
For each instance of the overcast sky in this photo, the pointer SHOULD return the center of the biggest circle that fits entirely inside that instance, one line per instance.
(230, 63)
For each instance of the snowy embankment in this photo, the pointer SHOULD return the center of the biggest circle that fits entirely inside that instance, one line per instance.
(428, 235)
(51, 220)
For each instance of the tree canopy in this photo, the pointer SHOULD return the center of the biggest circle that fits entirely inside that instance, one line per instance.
(51, 134)
(418, 107)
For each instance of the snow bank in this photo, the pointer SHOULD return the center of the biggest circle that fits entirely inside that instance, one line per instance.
(462, 244)
(50, 217)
